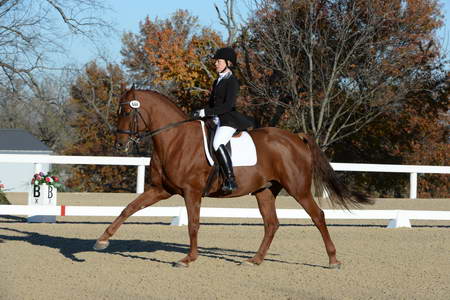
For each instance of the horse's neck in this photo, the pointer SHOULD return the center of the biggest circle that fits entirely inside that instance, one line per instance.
(162, 117)
(163, 114)
(170, 142)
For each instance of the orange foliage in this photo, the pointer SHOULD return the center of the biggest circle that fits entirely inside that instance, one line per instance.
(415, 133)
(178, 55)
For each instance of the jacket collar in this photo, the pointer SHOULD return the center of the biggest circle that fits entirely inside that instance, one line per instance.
(225, 75)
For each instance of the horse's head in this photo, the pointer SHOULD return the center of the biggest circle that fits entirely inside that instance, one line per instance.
(132, 121)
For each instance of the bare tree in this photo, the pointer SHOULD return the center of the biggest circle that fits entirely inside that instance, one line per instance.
(44, 115)
(334, 66)
(228, 19)
(30, 31)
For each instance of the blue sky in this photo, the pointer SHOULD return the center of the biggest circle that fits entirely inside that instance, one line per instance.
(126, 16)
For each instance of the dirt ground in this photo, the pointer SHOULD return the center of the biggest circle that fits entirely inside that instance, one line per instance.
(56, 261)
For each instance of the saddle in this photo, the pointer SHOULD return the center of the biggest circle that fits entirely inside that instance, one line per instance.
(241, 140)
(241, 147)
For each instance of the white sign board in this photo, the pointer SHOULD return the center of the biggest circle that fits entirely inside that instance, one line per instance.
(42, 195)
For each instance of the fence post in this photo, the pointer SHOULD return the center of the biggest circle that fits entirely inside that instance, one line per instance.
(401, 220)
(413, 185)
(140, 179)
(181, 219)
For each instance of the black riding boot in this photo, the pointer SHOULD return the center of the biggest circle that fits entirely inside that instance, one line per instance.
(226, 166)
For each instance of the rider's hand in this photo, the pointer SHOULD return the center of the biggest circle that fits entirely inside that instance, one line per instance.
(198, 113)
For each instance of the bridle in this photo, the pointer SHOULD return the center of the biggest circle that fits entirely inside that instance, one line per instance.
(136, 135)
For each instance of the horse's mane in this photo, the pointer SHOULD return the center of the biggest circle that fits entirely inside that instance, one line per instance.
(164, 99)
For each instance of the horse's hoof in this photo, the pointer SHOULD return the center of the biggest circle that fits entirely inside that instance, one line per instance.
(335, 266)
(99, 245)
(180, 264)
(247, 263)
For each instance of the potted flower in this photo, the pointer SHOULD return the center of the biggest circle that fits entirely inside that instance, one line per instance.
(48, 179)
(44, 188)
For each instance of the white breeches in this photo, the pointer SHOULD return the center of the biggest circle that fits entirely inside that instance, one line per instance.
(223, 136)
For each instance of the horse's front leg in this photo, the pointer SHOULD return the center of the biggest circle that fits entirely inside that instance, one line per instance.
(150, 197)
(193, 203)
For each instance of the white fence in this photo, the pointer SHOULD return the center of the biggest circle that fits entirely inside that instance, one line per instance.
(141, 162)
(413, 170)
(38, 160)
(397, 218)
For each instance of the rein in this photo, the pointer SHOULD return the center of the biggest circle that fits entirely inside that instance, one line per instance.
(134, 133)
(169, 126)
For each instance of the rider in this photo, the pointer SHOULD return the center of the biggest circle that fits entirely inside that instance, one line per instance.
(222, 103)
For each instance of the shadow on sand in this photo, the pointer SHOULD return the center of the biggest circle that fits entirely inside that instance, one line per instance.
(71, 247)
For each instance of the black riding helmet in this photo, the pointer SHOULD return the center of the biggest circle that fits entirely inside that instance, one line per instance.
(226, 53)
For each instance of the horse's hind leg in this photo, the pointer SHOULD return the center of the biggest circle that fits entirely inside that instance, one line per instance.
(318, 217)
(150, 197)
(266, 204)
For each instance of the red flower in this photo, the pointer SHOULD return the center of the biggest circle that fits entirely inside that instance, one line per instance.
(2, 186)
(56, 179)
(47, 179)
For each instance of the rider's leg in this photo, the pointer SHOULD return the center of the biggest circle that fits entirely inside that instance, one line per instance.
(222, 137)
(227, 169)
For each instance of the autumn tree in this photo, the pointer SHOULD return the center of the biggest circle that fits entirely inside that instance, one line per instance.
(174, 57)
(330, 67)
(94, 102)
(415, 134)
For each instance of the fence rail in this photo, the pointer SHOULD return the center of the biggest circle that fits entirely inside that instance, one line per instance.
(397, 218)
(38, 160)
(413, 170)
(141, 162)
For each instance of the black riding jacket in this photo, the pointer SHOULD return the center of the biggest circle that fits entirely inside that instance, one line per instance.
(222, 102)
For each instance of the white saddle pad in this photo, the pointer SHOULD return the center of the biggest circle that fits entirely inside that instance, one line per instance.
(243, 150)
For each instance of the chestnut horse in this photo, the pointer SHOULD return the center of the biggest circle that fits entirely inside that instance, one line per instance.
(179, 166)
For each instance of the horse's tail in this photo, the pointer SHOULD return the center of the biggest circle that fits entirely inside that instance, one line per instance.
(325, 179)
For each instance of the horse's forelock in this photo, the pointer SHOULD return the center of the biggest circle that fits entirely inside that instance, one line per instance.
(129, 94)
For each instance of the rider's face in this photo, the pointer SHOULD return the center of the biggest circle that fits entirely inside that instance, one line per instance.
(221, 65)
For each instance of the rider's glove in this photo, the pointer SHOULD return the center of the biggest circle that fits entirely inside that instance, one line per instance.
(199, 113)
